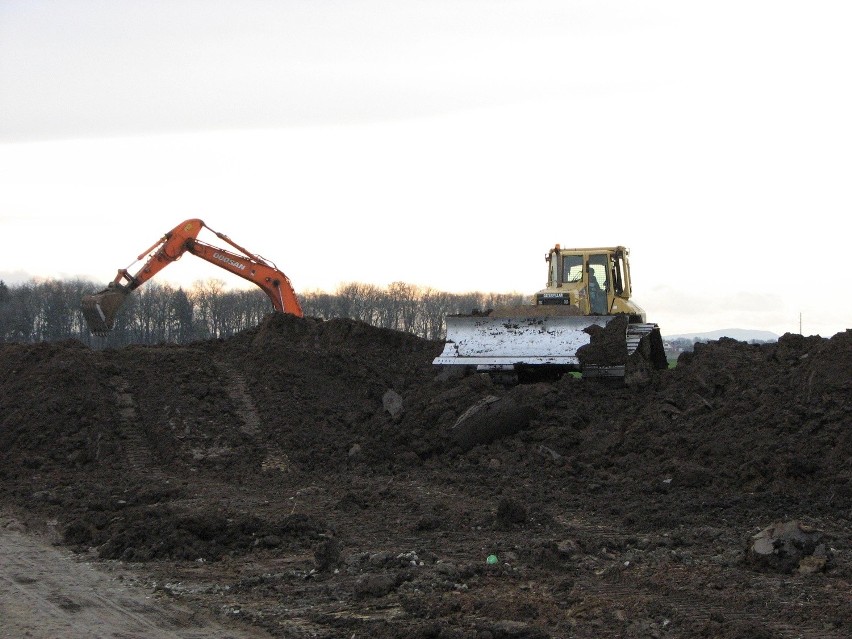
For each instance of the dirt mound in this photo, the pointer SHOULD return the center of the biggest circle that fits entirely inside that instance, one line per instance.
(318, 465)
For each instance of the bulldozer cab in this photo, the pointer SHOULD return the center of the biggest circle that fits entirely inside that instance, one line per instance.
(595, 281)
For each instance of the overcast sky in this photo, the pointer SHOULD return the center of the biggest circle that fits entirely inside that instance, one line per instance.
(444, 144)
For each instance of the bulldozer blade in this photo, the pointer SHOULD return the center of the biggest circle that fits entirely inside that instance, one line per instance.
(494, 343)
(100, 309)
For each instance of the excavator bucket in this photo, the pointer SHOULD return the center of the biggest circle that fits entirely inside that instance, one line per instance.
(101, 308)
(504, 343)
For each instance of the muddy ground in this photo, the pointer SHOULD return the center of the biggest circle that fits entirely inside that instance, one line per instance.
(309, 479)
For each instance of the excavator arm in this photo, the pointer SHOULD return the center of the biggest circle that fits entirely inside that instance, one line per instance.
(101, 308)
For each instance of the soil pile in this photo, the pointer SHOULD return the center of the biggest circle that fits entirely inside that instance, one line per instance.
(323, 479)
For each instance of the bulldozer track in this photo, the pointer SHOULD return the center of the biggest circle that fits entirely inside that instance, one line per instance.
(635, 333)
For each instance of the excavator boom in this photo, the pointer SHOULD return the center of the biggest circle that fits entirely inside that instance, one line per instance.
(100, 309)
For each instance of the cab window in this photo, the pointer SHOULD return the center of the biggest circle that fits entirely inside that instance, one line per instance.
(572, 268)
(598, 265)
(598, 283)
(618, 274)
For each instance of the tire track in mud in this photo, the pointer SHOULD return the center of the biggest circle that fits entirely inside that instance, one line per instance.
(276, 459)
(130, 429)
(239, 393)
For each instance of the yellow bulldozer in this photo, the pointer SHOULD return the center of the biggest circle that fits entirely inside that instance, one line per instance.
(583, 321)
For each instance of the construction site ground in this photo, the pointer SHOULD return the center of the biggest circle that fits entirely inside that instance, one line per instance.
(324, 479)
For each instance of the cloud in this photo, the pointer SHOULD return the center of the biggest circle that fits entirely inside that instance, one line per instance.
(80, 69)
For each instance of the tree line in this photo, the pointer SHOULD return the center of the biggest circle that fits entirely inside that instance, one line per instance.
(50, 310)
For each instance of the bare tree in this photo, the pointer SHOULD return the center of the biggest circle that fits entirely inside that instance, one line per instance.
(434, 307)
(150, 313)
(401, 302)
(54, 317)
(181, 328)
(319, 304)
(207, 294)
(158, 312)
(358, 301)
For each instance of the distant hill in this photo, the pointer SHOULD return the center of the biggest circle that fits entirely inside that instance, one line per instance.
(740, 334)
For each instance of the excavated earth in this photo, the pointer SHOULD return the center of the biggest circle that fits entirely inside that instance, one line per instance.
(314, 479)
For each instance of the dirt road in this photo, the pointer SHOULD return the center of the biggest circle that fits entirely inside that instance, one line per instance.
(48, 593)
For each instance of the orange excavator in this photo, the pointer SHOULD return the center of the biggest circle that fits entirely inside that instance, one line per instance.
(101, 308)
